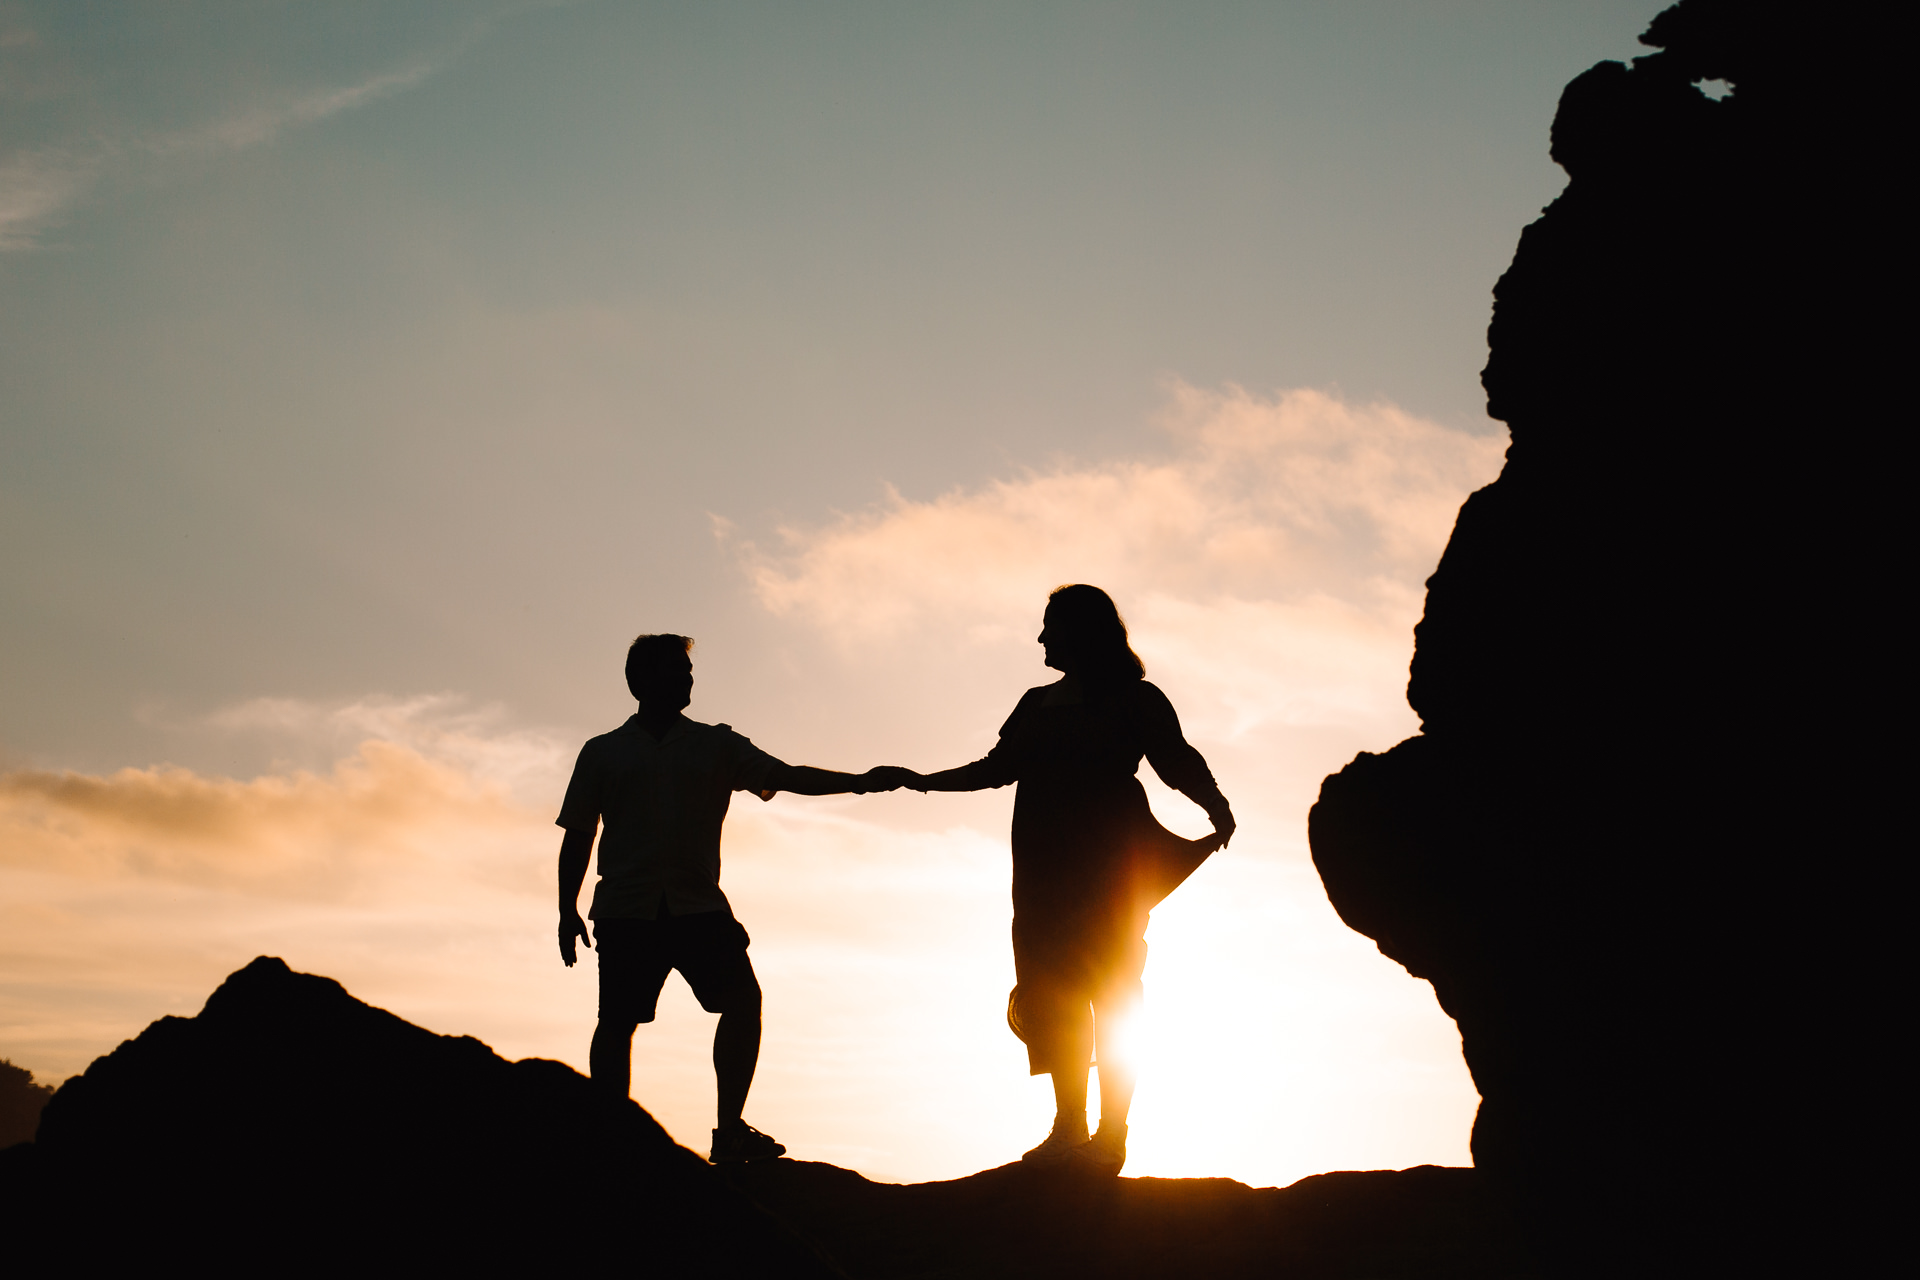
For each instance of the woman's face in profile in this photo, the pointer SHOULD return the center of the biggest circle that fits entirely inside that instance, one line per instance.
(1053, 641)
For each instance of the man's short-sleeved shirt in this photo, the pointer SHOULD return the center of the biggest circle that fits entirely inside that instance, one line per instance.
(661, 804)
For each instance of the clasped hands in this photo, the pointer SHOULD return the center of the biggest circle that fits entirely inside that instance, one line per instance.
(888, 777)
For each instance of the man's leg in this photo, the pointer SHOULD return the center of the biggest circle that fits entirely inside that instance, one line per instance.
(736, 1049)
(716, 966)
(611, 1057)
(632, 971)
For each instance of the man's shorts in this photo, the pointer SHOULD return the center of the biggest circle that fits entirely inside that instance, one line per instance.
(708, 948)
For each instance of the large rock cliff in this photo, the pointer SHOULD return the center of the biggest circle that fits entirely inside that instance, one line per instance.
(1646, 671)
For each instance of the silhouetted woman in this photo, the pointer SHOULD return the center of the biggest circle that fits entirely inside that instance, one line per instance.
(1089, 860)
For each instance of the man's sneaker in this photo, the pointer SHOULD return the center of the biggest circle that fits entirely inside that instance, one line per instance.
(1069, 1135)
(1106, 1153)
(741, 1142)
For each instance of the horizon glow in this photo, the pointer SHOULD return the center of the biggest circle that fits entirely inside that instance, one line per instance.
(368, 381)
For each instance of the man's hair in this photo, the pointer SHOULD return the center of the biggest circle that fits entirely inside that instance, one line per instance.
(1098, 631)
(648, 655)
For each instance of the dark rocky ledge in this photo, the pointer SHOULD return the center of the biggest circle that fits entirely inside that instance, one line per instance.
(1016, 1222)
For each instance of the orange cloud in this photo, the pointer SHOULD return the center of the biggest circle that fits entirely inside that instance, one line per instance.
(1295, 494)
(1273, 560)
(299, 834)
(416, 877)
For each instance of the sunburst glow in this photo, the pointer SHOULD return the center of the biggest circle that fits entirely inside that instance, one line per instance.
(372, 374)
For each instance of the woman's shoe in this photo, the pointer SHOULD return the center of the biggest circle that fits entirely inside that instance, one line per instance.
(1106, 1154)
(1068, 1136)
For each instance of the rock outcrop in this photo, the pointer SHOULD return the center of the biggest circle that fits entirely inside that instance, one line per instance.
(291, 1128)
(1652, 666)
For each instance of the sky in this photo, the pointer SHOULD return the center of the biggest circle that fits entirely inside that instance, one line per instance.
(371, 374)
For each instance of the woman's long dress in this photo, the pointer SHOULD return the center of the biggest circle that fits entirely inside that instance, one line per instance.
(1089, 858)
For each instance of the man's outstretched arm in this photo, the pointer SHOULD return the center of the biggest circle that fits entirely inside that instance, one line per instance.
(805, 780)
(576, 847)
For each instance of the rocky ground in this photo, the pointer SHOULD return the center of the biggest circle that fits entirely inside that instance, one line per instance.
(1013, 1221)
(289, 1124)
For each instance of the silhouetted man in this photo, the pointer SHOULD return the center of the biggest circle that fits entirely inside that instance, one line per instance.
(661, 784)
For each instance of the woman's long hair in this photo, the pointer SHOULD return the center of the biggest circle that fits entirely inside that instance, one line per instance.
(1095, 632)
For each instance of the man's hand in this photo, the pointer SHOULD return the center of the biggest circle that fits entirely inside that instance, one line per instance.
(887, 777)
(571, 927)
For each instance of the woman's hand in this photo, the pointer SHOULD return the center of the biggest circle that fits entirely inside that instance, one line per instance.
(1223, 825)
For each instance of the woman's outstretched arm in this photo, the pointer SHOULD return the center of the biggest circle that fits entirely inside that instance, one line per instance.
(998, 768)
(981, 775)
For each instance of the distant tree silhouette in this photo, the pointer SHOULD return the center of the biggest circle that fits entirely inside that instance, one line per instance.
(21, 1101)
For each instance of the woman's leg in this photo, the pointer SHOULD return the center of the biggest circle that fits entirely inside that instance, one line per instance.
(1117, 1072)
(1064, 1036)
(1070, 1091)
(1059, 1034)
(1115, 1006)
(1106, 1153)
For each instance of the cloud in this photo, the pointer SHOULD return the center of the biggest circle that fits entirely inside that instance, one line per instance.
(1274, 556)
(411, 786)
(253, 125)
(529, 765)
(298, 835)
(407, 865)
(74, 125)
(36, 187)
(404, 867)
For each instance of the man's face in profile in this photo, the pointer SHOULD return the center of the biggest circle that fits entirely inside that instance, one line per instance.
(669, 687)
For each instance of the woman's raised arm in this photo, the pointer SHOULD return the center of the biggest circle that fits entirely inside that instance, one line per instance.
(1177, 761)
